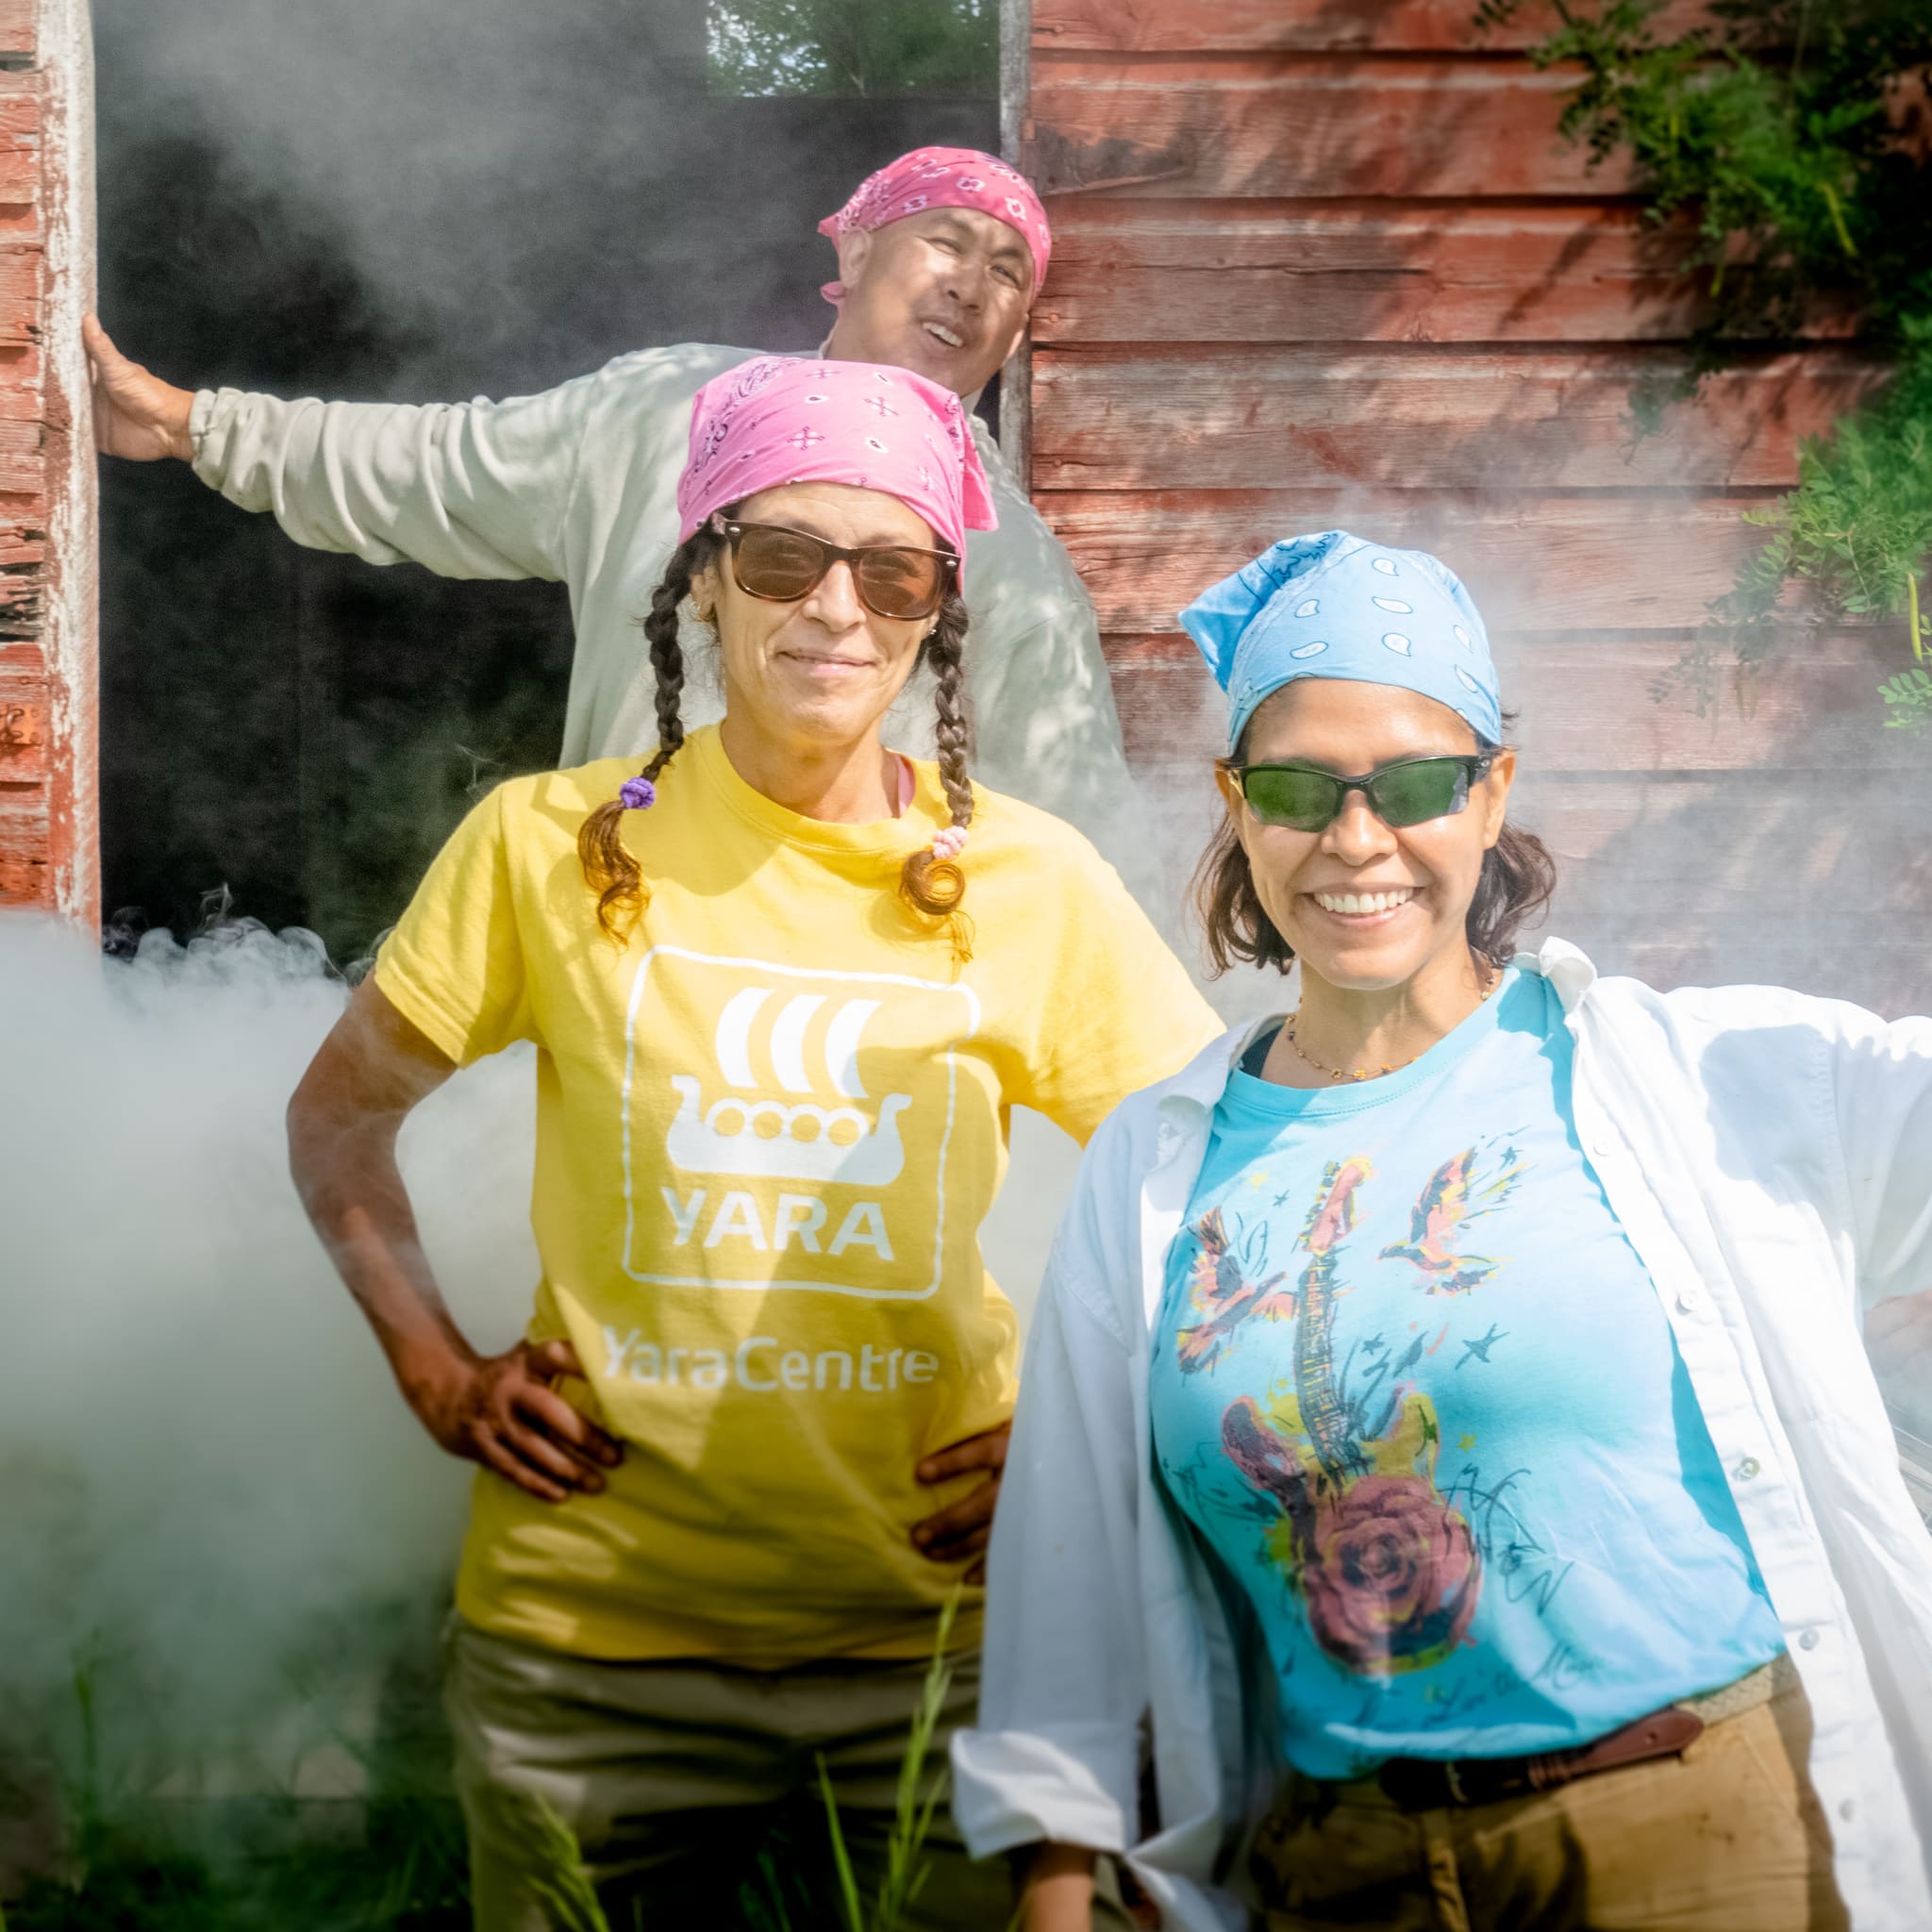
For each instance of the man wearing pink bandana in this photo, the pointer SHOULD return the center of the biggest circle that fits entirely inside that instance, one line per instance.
(940, 257)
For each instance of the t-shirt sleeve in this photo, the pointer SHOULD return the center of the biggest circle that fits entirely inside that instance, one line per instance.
(455, 964)
(1116, 1010)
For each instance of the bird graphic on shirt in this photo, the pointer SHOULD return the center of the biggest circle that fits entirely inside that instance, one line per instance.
(1478, 1350)
(1463, 1190)
(1218, 1290)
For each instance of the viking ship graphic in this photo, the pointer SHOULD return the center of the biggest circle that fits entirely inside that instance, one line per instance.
(754, 1132)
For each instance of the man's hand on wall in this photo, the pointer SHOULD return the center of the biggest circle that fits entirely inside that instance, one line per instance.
(136, 414)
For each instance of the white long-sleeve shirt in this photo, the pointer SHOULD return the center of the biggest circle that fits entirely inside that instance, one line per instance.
(1770, 1157)
(579, 486)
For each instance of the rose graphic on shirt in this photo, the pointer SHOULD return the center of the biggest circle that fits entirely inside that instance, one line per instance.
(1392, 1586)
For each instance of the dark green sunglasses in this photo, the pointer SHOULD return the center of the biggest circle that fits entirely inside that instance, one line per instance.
(1408, 792)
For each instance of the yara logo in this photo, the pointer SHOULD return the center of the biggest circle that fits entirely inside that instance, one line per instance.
(788, 1140)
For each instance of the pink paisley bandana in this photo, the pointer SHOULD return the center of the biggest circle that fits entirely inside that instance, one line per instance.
(777, 420)
(945, 178)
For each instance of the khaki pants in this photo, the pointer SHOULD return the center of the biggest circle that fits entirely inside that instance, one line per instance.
(1728, 1838)
(671, 1775)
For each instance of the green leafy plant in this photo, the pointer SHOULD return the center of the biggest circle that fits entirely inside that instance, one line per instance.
(1782, 146)
(854, 49)
(905, 1875)
(1856, 532)
(1910, 695)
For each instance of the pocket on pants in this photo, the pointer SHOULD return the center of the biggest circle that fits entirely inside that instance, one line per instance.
(1314, 1863)
(1777, 1737)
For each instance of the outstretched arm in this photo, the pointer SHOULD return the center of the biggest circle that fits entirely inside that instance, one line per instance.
(467, 490)
(500, 1410)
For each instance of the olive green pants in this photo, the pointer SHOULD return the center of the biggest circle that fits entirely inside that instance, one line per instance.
(672, 1777)
(1727, 1838)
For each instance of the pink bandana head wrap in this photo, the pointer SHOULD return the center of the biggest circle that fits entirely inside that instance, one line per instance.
(776, 420)
(945, 178)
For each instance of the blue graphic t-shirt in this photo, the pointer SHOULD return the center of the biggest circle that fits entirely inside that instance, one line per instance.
(1412, 1384)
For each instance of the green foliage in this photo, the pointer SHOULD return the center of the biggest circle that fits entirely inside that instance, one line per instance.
(854, 48)
(1857, 530)
(905, 1875)
(1779, 134)
(1910, 695)
(132, 1865)
(1785, 139)
(562, 1886)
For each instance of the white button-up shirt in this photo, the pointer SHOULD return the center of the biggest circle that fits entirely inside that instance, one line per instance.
(1770, 1157)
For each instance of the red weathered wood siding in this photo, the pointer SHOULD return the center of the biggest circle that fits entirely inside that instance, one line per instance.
(1321, 263)
(47, 805)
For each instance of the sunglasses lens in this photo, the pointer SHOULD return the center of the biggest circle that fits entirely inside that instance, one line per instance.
(1411, 795)
(780, 564)
(1286, 795)
(902, 583)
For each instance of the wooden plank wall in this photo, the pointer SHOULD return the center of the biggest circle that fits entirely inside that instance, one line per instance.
(1321, 263)
(48, 834)
(24, 716)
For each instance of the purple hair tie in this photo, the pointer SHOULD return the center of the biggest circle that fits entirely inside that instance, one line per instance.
(638, 794)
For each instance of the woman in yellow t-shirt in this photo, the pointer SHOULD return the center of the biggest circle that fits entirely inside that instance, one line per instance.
(785, 986)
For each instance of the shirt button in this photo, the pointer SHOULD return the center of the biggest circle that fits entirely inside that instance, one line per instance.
(1809, 1640)
(1848, 1810)
(1747, 1469)
(1687, 1303)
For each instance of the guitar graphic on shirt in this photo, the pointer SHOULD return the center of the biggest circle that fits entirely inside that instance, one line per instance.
(1387, 1568)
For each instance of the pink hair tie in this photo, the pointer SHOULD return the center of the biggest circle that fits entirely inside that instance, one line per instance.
(948, 843)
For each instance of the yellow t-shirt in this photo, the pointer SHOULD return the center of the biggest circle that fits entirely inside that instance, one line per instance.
(768, 1128)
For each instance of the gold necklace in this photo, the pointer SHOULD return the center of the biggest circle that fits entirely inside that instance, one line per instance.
(1307, 1059)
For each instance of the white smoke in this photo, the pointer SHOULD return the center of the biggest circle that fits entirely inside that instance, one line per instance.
(203, 1459)
(499, 114)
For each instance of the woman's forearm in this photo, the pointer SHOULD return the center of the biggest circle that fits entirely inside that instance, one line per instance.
(499, 1410)
(349, 1181)
(343, 1121)
(1056, 1888)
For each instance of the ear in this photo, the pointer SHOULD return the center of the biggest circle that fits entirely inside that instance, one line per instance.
(705, 587)
(1495, 795)
(855, 250)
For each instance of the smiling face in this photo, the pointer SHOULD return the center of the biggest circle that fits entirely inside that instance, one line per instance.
(1364, 906)
(943, 294)
(819, 673)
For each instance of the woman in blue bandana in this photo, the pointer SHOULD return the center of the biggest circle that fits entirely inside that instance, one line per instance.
(1450, 1489)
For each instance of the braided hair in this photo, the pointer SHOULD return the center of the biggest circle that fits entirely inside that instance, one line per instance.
(609, 868)
(931, 882)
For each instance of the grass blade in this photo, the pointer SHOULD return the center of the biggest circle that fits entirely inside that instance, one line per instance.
(557, 1876)
(842, 1861)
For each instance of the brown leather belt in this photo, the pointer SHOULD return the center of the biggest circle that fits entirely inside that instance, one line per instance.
(1424, 1784)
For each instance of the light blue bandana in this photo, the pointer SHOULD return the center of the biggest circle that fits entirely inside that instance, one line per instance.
(1337, 606)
